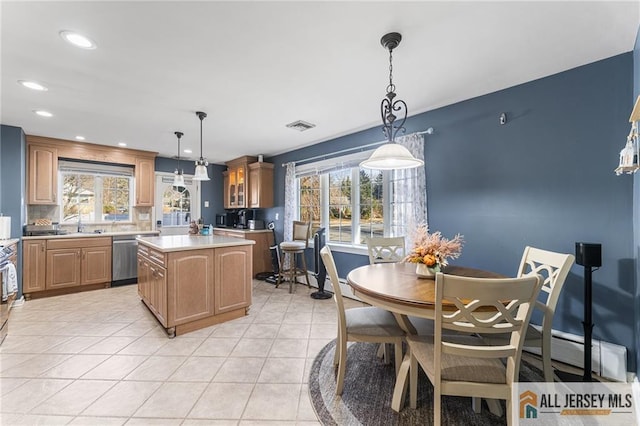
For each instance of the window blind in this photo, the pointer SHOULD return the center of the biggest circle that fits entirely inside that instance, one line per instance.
(94, 169)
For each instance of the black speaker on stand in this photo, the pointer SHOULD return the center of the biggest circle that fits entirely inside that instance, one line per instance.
(589, 255)
(320, 272)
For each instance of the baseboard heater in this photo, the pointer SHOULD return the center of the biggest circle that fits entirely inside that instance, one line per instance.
(607, 359)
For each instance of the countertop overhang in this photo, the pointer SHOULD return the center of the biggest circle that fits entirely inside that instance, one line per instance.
(171, 243)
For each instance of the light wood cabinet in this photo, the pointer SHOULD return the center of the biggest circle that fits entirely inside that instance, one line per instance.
(237, 183)
(145, 181)
(195, 288)
(191, 285)
(152, 282)
(226, 202)
(260, 185)
(233, 283)
(78, 261)
(42, 175)
(63, 268)
(34, 257)
(63, 265)
(261, 249)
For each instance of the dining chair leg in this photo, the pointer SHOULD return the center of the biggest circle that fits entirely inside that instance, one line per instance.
(509, 408)
(381, 351)
(476, 404)
(336, 355)
(494, 407)
(437, 405)
(342, 367)
(397, 349)
(413, 382)
(546, 358)
(400, 389)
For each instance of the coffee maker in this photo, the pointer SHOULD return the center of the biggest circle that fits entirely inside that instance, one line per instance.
(244, 216)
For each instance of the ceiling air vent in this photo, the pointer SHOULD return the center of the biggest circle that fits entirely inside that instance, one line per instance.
(300, 125)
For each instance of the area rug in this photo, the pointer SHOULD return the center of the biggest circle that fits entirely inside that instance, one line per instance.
(368, 388)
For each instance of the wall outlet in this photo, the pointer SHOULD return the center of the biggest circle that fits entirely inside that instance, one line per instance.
(277, 216)
(206, 204)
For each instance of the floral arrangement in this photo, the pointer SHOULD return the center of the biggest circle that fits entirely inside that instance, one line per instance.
(433, 249)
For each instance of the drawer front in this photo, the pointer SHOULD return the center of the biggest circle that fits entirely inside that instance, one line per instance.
(64, 243)
(157, 257)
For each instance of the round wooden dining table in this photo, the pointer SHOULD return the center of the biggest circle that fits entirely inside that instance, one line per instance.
(396, 288)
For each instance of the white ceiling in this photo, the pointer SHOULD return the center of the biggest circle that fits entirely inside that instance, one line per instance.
(256, 66)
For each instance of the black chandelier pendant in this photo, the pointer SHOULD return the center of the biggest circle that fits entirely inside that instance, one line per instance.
(391, 108)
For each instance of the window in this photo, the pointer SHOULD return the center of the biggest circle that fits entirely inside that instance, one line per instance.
(354, 204)
(95, 192)
(350, 202)
(176, 203)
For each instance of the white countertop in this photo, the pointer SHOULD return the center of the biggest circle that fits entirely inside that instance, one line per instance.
(191, 242)
(89, 235)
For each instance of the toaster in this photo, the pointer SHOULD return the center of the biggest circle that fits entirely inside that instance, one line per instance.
(256, 224)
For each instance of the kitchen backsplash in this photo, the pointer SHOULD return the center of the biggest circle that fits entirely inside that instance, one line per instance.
(141, 220)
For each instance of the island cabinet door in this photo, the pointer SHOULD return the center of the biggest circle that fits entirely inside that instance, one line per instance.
(143, 278)
(190, 286)
(158, 292)
(233, 271)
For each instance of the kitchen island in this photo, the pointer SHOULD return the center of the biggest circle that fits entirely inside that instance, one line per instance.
(190, 282)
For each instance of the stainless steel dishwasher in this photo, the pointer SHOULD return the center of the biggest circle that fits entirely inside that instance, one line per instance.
(124, 264)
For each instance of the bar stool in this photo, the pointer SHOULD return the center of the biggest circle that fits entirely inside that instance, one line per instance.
(301, 234)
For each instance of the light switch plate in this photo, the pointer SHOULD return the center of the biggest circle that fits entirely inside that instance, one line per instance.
(206, 204)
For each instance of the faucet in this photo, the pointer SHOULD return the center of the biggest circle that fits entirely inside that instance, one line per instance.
(80, 227)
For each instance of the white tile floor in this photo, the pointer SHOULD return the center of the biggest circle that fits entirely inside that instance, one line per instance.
(100, 358)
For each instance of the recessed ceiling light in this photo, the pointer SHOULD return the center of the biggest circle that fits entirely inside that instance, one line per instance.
(43, 113)
(80, 138)
(122, 144)
(77, 39)
(34, 85)
(187, 151)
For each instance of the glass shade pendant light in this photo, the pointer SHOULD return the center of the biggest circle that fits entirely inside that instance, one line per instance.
(201, 163)
(178, 176)
(391, 155)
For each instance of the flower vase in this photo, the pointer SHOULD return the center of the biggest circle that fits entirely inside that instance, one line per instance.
(424, 271)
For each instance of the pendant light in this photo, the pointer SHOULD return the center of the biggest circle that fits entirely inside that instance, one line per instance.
(178, 176)
(391, 155)
(201, 164)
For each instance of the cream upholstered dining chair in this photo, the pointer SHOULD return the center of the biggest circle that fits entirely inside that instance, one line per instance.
(289, 268)
(554, 268)
(466, 365)
(366, 324)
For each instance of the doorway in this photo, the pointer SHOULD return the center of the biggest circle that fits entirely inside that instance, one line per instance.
(176, 207)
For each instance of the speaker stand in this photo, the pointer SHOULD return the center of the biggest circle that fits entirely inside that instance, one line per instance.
(587, 325)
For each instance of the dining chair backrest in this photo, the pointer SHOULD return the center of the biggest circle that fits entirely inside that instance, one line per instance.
(330, 265)
(554, 268)
(385, 249)
(302, 232)
(484, 306)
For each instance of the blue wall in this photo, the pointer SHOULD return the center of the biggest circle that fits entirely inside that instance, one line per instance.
(211, 189)
(12, 183)
(544, 179)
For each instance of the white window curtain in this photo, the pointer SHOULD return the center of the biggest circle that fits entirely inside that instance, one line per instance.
(409, 203)
(290, 200)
